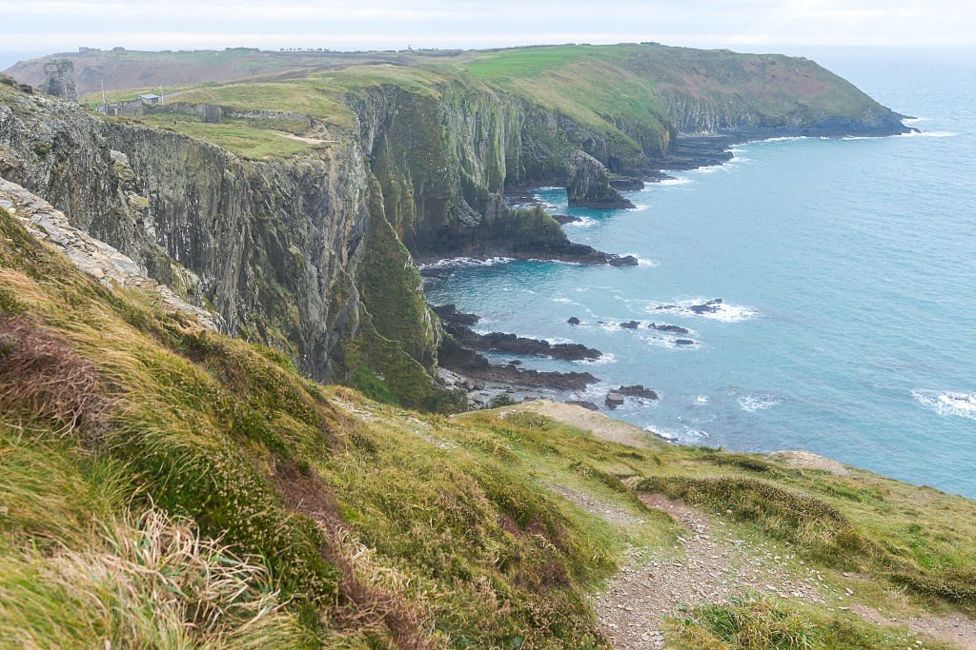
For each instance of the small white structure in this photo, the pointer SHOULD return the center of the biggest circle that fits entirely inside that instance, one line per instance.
(150, 99)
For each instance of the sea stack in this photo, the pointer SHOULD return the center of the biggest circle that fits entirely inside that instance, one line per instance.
(589, 184)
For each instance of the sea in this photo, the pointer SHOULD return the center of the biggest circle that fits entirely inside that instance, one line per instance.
(847, 274)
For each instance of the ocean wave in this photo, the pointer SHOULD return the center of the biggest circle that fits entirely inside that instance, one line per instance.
(605, 358)
(642, 261)
(671, 342)
(702, 399)
(753, 403)
(684, 434)
(465, 262)
(566, 262)
(914, 120)
(929, 134)
(567, 301)
(640, 206)
(958, 403)
(675, 181)
(584, 222)
(717, 310)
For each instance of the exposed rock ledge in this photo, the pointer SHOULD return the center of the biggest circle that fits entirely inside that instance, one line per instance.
(589, 184)
(93, 256)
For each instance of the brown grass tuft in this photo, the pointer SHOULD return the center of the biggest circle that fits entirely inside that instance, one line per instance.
(41, 376)
(367, 606)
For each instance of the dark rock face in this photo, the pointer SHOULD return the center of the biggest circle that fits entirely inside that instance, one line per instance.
(510, 343)
(671, 329)
(626, 183)
(630, 325)
(563, 219)
(573, 320)
(614, 399)
(450, 314)
(589, 184)
(60, 79)
(637, 390)
(709, 307)
(684, 342)
(625, 260)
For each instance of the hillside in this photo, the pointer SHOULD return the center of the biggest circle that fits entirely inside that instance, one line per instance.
(145, 458)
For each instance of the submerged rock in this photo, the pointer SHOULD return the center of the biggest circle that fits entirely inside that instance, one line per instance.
(672, 329)
(589, 184)
(630, 325)
(637, 390)
(573, 320)
(622, 260)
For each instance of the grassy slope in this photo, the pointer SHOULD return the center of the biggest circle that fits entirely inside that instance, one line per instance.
(354, 523)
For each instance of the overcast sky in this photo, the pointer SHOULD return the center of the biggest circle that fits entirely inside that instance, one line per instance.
(36, 26)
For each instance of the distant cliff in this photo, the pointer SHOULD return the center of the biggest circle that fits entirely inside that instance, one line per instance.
(306, 242)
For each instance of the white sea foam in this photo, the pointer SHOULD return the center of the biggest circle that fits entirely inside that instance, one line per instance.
(644, 262)
(914, 120)
(957, 403)
(584, 222)
(567, 301)
(670, 342)
(683, 434)
(602, 360)
(640, 206)
(702, 399)
(753, 403)
(462, 262)
(725, 312)
(681, 180)
(929, 134)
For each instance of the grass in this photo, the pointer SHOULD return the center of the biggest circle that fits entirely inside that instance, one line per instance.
(767, 625)
(237, 136)
(268, 511)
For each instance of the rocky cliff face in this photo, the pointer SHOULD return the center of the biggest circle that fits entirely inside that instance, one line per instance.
(279, 249)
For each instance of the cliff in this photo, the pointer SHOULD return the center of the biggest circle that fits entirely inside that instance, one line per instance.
(165, 485)
(293, 207)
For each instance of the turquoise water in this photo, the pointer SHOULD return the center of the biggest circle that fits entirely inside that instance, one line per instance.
(848, 269)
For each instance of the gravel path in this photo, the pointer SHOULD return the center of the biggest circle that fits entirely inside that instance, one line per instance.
(715, 567)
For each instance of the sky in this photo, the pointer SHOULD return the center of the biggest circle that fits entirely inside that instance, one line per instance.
(32, 27)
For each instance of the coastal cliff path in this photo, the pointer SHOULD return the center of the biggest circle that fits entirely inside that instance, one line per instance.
(715, 563)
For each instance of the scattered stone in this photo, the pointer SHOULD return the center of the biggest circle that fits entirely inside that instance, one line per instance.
(614, 399)
(630, 325)
(573, 320)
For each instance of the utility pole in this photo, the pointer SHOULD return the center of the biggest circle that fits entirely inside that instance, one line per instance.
(104, 101)
(160, 93)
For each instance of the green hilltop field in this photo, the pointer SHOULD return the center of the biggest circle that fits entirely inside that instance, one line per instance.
(627, 92)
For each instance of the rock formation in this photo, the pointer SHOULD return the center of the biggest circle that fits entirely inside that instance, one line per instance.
(60, 79)
(588, 185)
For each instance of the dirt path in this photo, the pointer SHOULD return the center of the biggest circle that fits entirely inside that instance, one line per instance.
(956, 629)
(715, 567)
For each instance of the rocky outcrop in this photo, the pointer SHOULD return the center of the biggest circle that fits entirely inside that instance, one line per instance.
(59, 80)
(588, 185)
(91, 256)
